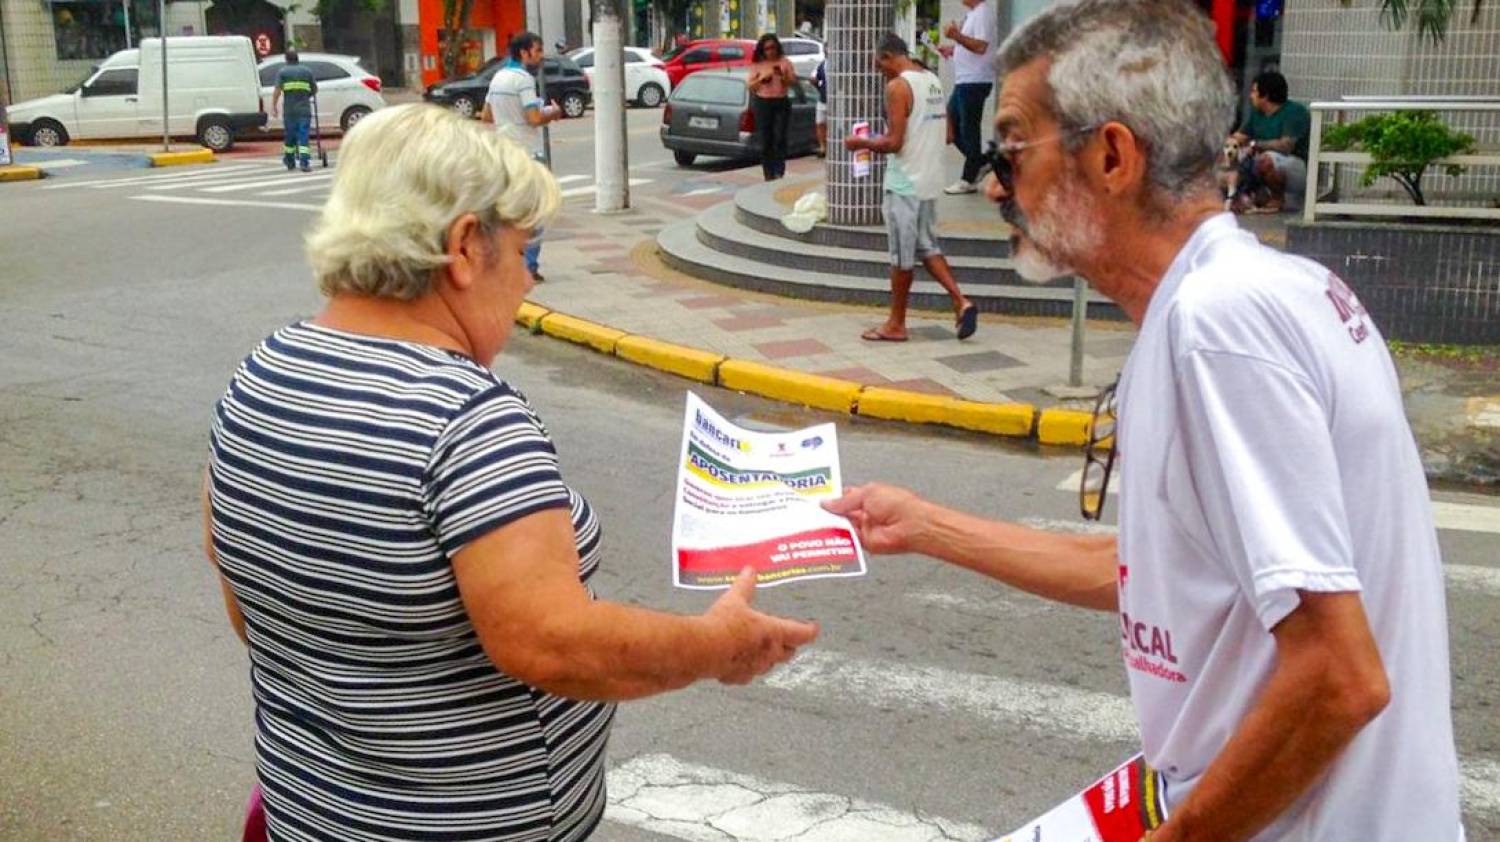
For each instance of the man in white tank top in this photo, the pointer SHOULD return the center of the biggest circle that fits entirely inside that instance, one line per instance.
(915, 133)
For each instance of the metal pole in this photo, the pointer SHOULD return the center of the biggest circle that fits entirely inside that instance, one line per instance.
(10, 94)
(1080, 312)
(125, 4)
(611, 149)
(541, 84)
(166, 126)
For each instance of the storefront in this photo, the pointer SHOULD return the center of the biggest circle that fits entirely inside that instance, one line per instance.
(491, 26)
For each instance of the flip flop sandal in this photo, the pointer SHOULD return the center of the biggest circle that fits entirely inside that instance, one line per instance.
(968, 321)
(874, 335)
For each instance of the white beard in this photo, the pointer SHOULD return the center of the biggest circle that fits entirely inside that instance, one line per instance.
(1064, 229)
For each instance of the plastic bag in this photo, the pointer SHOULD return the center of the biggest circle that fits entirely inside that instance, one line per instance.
(809, 210)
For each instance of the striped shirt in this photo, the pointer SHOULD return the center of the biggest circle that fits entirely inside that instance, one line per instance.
(346, 472)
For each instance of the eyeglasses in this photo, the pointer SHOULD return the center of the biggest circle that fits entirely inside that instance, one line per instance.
(1002, 157)
(1099, 455)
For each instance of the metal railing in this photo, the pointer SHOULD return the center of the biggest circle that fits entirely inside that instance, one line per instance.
(1312, 206)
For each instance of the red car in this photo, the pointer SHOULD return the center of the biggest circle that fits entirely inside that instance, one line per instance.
(708, 54)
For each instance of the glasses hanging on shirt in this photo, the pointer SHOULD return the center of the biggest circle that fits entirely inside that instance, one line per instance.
(1099, 455)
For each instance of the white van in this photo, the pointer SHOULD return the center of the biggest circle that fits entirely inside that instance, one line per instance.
(212, 87)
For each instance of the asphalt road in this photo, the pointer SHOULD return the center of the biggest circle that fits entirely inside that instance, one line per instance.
(944, 706)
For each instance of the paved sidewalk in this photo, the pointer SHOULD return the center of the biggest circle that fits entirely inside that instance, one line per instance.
(604, 268)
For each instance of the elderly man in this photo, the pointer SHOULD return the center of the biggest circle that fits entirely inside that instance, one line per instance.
(1276, 572)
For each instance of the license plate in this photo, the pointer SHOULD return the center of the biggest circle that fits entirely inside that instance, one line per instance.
(703, 122)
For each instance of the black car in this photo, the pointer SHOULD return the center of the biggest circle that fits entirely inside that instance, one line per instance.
(566, 85)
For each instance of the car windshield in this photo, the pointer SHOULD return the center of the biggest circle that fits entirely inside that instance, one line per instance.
(717, 90)
(87, 76)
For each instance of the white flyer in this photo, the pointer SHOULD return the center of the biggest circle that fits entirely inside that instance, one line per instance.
(1120, 807)
(862, 160)
(752, 499)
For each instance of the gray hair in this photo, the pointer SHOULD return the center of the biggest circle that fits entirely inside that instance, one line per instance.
(406, 173)
(1151, 65)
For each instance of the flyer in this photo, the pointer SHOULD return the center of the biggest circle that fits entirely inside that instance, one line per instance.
(1119, 807)
(748, 498)
(862, 159)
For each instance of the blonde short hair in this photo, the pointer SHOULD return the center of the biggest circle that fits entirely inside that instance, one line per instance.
(405, 174)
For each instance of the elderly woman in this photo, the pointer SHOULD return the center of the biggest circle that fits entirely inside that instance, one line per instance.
(396, 543)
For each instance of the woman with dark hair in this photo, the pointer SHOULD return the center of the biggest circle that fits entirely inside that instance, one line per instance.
(771, 77)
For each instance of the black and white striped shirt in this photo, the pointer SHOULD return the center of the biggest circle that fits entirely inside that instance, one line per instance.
(346, 472)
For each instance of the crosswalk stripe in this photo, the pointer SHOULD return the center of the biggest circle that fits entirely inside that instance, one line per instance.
(133, 181)
(593, 188)
(270, 182)
(661, 794)
(244, 203)
(1052, 709)
(289, 191)
(202, 183)
(569, 179)
(1447, 514)
(59, 163)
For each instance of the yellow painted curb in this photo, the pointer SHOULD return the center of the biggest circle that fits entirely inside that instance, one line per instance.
(1063, 426)
(530, 316)
(677, 359)
(173, 159)
(784, 384)
(596, 336)
(901, 405)
(1001, 419)
(16, 172)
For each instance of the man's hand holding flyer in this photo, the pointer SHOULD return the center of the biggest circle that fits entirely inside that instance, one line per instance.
(746, 498)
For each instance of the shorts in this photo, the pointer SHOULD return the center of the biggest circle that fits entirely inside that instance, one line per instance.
(910, 228)
(822, 113)
(1293, 171)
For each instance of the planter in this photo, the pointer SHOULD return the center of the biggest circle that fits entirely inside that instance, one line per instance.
(1420, 283)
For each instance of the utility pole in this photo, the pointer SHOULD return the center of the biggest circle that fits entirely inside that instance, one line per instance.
(611, 153)
(166, 114)
(713, 16)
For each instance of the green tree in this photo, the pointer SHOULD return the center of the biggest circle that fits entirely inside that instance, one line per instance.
(1402, 145)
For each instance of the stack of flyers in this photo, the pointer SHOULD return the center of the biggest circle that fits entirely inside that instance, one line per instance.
(863, 158)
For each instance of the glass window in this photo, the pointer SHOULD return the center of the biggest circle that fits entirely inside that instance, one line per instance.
(714, 89)
(92, 30)
(119, 81)
(800, 48)
(731, 54)
(326, 71)
(585, 60)
(633, 58)
(698, 56)
(267, 73)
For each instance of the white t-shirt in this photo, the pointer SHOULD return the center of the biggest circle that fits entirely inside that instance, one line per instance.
(969, 66)
(1263, 450)
(513, 91)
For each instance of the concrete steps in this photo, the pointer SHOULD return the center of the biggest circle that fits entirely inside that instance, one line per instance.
(743, 244)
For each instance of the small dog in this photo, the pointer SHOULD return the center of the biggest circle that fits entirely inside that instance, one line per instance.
(1231, 158)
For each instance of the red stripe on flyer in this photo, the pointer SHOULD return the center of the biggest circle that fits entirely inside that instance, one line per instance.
(815, 546)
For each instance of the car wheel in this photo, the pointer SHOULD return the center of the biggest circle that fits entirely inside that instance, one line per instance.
(215, 133)
(650, 95)
(353, 114)
(464, 105)
(684, 158)
(573, 104)
(48, 133)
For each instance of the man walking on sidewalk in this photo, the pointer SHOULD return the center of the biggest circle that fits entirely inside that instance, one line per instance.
(914, 135)
(295, 82)
(516, 109)
(973, 79)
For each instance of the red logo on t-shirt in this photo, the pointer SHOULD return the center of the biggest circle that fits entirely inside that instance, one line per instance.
(1348, 307)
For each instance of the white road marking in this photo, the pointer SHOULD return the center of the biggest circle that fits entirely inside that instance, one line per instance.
(1451, 515)
(1473, 577)
(999, 606)
(592, 188)
(1083, 714)
(58, 163)
(301, 178)
(243, 203)
(288, 191)
(661, 794)
(103, 183)
(569, 179)
(1051, 709)
(1466, 517)
(701, 191)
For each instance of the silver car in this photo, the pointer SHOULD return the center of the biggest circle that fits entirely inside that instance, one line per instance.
(709, 114)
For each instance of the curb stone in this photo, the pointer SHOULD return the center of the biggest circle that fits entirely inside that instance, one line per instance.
(174, 159)
(1014, 420)
(20, 172)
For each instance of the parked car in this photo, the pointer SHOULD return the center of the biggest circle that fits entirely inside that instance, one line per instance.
(707, 54)
(566, 85)
(805, 54)
(709, 114)
(346, 91)
(215, 96)
(646, 82)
